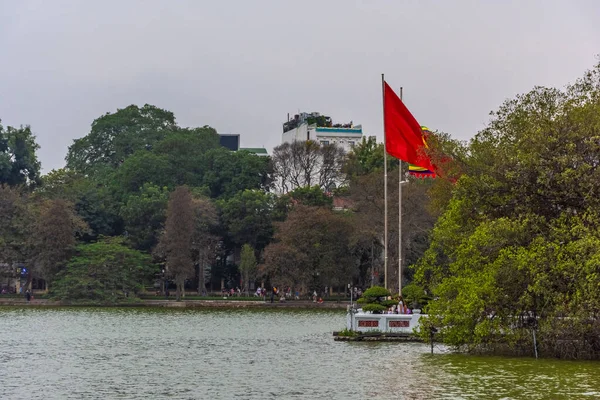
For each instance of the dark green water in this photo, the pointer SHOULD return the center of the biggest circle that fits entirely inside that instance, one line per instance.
(100, 353)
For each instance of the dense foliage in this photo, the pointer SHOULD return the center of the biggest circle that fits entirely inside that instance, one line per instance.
(106, 271)
(517, 247)
(504, 243)
(376, 300)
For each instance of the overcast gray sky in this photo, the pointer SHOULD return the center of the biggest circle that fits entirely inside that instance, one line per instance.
(241, 66)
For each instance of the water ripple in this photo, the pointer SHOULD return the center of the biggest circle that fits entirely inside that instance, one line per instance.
(83, 353)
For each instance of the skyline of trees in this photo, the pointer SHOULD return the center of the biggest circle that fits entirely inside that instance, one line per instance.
(505, 241)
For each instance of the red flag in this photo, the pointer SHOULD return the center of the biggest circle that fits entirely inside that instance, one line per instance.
(403, 136)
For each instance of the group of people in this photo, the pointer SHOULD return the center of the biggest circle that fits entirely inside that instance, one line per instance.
(28, 295)
(356, 292)
(232, 292)
(400, 308)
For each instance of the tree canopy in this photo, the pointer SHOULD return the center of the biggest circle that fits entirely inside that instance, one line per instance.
(515, 248)
(18, 162)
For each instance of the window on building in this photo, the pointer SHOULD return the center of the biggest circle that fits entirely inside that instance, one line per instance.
(324, 142)
(351, 142)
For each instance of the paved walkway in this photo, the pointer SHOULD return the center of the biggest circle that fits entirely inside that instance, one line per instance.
(15, 301)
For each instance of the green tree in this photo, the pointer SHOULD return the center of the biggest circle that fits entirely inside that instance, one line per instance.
(226, 173)
(16, 220)
(106, 271)
(375, 300)
(18, 162)
(515, 248)
(185, 151)
(62, 184)
(247, 218)
(366, 157)
(93, 201)
(311, 196)
(141, 168)
(248, 266)
(144, 215)
(115, 136)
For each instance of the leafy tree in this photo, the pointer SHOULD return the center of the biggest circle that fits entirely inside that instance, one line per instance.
(184, 151)
(144, 215)
(366, 157)
(415, 295)
(98, 208)
(375, 300)
(106, 271)
(227, 173)
(61, 184)
(114, 137)
(311, 196)
(53, 238)
(247, 265)
(16, 220)
(18, 162)
(247, 218)
(515, 248)
(141, 168)
(176, 242)
(92, 199)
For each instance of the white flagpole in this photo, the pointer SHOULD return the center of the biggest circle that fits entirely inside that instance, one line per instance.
(400, 221)
(385, 212)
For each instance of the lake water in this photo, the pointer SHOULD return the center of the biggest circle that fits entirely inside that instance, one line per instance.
(100, 353)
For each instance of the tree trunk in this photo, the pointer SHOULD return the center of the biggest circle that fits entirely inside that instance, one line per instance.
(201, 283)
(178, 290)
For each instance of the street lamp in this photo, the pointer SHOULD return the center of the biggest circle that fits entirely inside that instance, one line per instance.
(350, 289)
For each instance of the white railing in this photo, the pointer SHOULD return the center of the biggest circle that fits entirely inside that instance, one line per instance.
(360, 321)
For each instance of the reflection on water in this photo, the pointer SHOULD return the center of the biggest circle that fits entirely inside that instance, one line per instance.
(243, 354)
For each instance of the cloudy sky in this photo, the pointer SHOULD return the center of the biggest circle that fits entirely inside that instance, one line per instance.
(242, 65)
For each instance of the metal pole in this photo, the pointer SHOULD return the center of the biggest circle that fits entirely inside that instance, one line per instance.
(534, 344)
(400, 220)
(385, 213)
(372, 263)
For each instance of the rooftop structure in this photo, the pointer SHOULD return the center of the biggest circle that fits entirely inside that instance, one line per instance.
(259, 151)
(320, 128)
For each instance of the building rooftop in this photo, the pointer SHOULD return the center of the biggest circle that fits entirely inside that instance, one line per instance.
(313, 118)
(255, 150)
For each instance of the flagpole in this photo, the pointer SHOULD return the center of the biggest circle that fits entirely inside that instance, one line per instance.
(400, 220)
(385, 211)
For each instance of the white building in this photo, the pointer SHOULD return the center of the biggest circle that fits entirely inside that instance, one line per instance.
(318, 128)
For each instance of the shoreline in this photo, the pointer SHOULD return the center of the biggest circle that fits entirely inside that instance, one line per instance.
(296, 304)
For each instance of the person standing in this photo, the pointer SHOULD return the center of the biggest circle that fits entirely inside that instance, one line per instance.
(28, 295)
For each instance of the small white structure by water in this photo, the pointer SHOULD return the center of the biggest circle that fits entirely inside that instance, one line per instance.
(360, 321)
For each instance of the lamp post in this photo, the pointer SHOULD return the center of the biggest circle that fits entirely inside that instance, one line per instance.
(350, 288)
(165, 284)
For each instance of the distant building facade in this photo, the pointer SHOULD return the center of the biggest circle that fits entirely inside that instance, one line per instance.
(319, 128)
